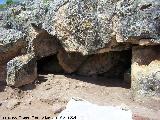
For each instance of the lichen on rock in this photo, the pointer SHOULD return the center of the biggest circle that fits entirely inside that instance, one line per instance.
(21, 70)
(82, 34)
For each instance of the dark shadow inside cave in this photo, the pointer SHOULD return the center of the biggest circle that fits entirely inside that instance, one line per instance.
(122, 70)
(122, 67)
(49, 65)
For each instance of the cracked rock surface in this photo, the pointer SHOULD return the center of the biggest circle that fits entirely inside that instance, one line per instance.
(80, 33)
(21, 70)
(86, 26)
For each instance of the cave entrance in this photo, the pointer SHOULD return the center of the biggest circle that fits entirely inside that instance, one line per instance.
(49, 65)
(120, 73)
(117, 75)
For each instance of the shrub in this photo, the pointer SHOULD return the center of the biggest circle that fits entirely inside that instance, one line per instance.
(2, 6)
(9, 2)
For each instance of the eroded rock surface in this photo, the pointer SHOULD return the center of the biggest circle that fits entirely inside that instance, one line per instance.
(21, 70)
(42, 43)
(12, 44)
(70, 62)
(99, 63)
(77, 30)
(146, 71)
(111, 64)
(87, 26)
(137, 20)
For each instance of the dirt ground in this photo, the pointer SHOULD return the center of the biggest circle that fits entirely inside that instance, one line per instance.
(50, 93)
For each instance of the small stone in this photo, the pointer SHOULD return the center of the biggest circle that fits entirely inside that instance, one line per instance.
(11, 104)
(57, 108)
(124, 107)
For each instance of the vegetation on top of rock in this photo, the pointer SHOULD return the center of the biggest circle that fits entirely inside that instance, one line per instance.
(9, 2)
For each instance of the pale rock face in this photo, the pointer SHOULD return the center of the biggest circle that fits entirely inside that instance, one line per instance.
(83, 26)
(70, 62)
(21, 70)
(12, 44)
(138, 20)
(80, 28)
(86, 26)
(42, 43)
(84, 30)
(145, 72)
(89, 25)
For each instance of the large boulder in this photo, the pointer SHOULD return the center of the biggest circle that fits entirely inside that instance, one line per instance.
(42, 43)
(45, 45)
(70, 62)
(82, 26)
(86, 26)
(12, 44)
(137, 21)
(21, 70)
(145, 72)
(19, 16)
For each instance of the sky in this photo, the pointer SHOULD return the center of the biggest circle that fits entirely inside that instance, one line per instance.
(2, 1)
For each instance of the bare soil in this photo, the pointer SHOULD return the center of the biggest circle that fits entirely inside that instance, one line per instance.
(50, 93)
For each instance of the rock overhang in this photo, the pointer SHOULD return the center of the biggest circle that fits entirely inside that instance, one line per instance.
(86, 27)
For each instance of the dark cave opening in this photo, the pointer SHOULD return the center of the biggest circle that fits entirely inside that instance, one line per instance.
(49, 65)
(122, 69)
(120, 73)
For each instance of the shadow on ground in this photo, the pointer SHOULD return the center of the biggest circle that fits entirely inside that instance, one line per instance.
(102, 81)
(97, 80)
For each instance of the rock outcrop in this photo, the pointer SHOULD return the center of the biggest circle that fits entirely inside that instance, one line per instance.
(42, 43)
(70, 62)
(12, 44)
(146, 72)
(84, 34)
(87, 26)
(21, 70)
